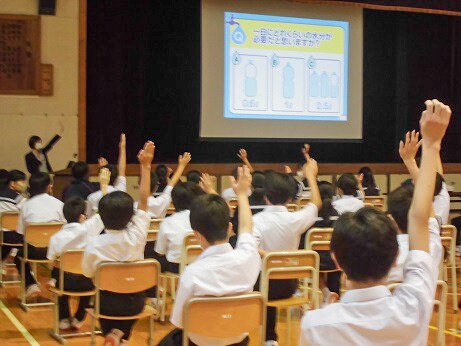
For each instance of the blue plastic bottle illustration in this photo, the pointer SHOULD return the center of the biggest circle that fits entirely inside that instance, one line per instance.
(250, 80)
(334, 87)
(314, 85)
(324, 85)
(288, 81)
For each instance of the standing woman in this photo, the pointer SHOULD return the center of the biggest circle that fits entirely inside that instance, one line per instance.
(37, 158)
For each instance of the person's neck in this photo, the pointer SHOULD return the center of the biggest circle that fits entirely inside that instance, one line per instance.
(220, 242)
(35, 151)
(356, 285)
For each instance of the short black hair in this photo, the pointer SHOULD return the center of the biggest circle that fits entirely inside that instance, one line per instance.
(3, 178)
(113, 173)
(153, 182)
(279, 188)
(80, 170)
(194, 176)
(398, 205)
(116, 210)
(32, 140)
(209, 215)
(348, 184)
(258, 179)
(16, 175)
(73, 208)
(162, 174)
(438, 183)
(365, 244)
(38, 183)
(183, 195)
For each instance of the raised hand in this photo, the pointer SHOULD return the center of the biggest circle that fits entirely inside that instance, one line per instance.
(184, 159)
(409, 149)
(434, 122)
(122, 143)
(305, 151)
(206, 183)
(242, 154)
(146, 154)
(104, 176)
(102, 162)
(287, 169)
(243, 182)
(310, 168)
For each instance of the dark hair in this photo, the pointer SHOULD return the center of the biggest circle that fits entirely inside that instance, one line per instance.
(153, 182)
(80, 170)
(16, 175)
(279, 188)
(113, 173)
(326, 193)
(38, 183)
(398, 205)
(438, 183)
(368, 178)
(3, 178)
(73, 208)
(209, 215)
(184, 193)
(33, 140)
(348, 184)
(162, 173)
(194, 176)
(365, 244)
(258, 186)
(116, 210)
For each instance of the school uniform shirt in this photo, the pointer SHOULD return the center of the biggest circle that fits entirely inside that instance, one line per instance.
(95, 197)
(435, 249)
(117, 245)
(229, 193)
(442, 204)
(10, 201)
(157, 206)
(74, 235)
(275, 228)
(40, 208)
(218, 271)
(171, 234)
(346, 204)
(375, 316)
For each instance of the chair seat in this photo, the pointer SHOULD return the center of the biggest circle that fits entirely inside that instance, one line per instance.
(148, 311)
(12, 244)
(288, 302)
(58, 292)
(170, 274)
(330, 271)
(31, 260)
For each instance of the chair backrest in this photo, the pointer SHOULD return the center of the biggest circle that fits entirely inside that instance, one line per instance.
(318, 239)
(71, 261)
(448, 237)
(188, 255)
(9, 220)
(39, 234)
(155, 224)
(171, 209)
(375, 201)
(292, 207)
(302, 201)
(223, 317)
(369, 205)
(233, 202)
(189, 239)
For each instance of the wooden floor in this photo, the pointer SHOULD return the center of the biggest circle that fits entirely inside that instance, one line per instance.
(38, 321)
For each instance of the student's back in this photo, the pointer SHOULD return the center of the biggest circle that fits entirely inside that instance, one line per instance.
(347, 189)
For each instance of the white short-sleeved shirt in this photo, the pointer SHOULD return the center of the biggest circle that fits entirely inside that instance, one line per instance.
(229, 193)
(40, 208)
(275, 228)
(74, 235)
(435, 248)
(218, 271)
(94, 198)
(346, 204)
(171, 235)
(374, 316)
(157, 206)
(442, 204)
(117, 245)
(10, 201)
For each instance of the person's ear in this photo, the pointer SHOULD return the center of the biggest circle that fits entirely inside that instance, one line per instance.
(333, 257)
(82, 218)
(50, 189)
(198, 236)
(230, 230)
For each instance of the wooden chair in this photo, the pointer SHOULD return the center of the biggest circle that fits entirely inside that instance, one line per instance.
(37, 235)
(292, 207)
(70, 262)
(233, 203)
(448, 237)
(440, 301)
(8, 220)
(302, 201)
(375, 201)
(171, 209)
(280, 265)
(153, 229)
(223, 317)
(125, 278)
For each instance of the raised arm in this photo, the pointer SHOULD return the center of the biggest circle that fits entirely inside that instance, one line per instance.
(122, 156)
(206, 184)
(433, 123)
(145, 157)
(310, 170)
(408, 151)
(183, 161)
(241, 187)
(104, 179)
(244, 157)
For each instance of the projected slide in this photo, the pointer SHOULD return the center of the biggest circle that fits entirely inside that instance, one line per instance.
(285, 68)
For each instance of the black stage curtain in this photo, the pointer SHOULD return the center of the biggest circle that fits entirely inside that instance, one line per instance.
(144, 79)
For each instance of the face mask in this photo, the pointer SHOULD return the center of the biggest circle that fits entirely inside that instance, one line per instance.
(20, 187)
(38, 146)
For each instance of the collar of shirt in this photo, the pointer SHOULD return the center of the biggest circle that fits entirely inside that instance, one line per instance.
(73, 226)
(114, 231)
(365, 294)
(275, 208)
(216, 250)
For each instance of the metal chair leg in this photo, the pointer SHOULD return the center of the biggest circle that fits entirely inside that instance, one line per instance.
(454, 286)
(93, 335)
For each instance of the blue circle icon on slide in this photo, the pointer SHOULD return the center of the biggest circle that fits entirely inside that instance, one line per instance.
(238, 35)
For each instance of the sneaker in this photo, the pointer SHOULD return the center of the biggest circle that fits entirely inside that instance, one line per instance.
(64, 324)
(76, 324)
(33, 291)
(113, 338)
(272, 343)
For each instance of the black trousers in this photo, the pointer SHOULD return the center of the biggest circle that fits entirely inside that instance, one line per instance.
(174, 338)
(116, 304)
(74, 283)
(10, 237)
(33, 253)
(333, 279)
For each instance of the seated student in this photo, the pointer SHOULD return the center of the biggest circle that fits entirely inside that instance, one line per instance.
(369, 185)
(194, 176)
(365, 246)
(176, 226)
(220, 270)
(11, 200)
(74, 235)
(275, 228)
(41, 207)
(117, 179)
(229, 193)
(124, 240)
(3, 179)
(163, 173)
(347, 188)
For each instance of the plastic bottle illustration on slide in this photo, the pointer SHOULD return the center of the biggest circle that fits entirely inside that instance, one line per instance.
(334, 87)
(324, 85)
(314, 85)
(288, 81)
(250, 80)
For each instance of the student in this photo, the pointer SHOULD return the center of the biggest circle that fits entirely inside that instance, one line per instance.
(275, 228)
(347, 188)
(369, 185)
(37, 158)
(163, 173)
(364, 245)
(124, 241)
(219, 270)
(3, 179)
(117, 179)
(175, 227)
(194, 176)
(41, 207)
(229, 193)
